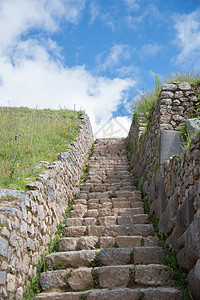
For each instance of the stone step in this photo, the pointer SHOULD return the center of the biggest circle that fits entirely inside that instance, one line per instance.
(161, 293)
(109, 230)
(94, 242)
(124, 220)
(107, 256)
(111, 276)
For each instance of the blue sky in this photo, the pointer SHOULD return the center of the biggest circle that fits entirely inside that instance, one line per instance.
(94, 54)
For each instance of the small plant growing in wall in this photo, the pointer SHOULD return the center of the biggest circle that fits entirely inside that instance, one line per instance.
(96, 262)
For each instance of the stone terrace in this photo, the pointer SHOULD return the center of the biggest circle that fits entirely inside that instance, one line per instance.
(109, 250)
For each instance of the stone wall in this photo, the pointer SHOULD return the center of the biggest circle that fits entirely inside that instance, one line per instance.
(29, 218)
(169, 178)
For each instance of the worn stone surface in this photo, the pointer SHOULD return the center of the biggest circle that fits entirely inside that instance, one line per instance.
(115, 294)
(113, 276)
(193, 280)
(192, 126)
(3, 277)
(170, 144)
(53, 281)
(70, 259)
(162, 294)
(107, 242)
(148, 255)
(153, 275)
(115, 256)
(66, 244)
(3, 247)
(128, 241)
(80, 279)
(87, 242)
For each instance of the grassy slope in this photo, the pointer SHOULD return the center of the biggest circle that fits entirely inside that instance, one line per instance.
(28, 136)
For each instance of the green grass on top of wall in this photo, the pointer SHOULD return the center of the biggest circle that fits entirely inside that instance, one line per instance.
(144, 106)
(31, 135)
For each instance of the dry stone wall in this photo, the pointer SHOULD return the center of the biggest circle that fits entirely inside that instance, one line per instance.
(172, 185)
(29, 218)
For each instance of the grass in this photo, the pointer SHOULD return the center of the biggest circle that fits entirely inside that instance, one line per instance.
(144, 107)
(29, 136)
(193, 79)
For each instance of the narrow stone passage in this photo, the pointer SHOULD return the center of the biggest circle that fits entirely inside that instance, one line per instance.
(109, 250)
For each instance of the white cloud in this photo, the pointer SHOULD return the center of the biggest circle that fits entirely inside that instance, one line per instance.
(132, 4)
(149, 14)
(188, 38)
(16, 20)
(94, 11)
(118, 53)
(31, 69)
(97, 13)
(149, 50)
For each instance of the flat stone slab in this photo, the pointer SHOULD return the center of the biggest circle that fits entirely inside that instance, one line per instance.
(171, 142)
(53, 280)
(71, 258)
(116, 294)
(148, 255)
(112, 276)
(128, 241)
(115, 256)
(153, 275)
(80, 278)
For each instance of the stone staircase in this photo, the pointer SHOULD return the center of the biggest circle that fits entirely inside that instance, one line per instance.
(109, 251)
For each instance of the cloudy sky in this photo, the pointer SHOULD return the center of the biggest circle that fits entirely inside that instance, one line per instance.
(94, 55)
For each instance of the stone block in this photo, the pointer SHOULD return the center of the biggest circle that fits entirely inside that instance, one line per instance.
(125, 220)
(141, 229)
(115, 256)
(89, 221)
(96, 230)
(113, 276)
(185, 86)
(106, 242)
(192, 125)
(53, 281)
(193, 280)
(185, 215)
(3, 247)
(107, 221)
(115, 230)
(87, 242)
(3, 278)
(162, 293)
(114, 294)
(11, 283)
(67, 244)
(73, 222)
(92, 213)
(80, 279)
(71, 258)
(153, 275)
(169, 87)
(74, 231)
(167, 220)
(170, 144)
(148, 255)
(128, 241)
(141, 219)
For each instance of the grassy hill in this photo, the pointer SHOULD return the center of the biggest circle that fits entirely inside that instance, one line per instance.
(28, 136)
